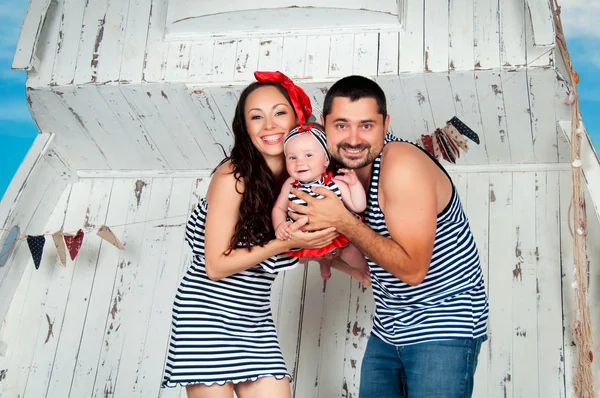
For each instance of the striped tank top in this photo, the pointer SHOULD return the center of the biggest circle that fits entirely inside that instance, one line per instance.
(451, 302)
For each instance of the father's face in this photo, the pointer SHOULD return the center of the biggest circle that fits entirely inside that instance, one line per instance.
(355, 131)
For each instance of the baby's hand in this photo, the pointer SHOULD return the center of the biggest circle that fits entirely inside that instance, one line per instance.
(283, 231)
(348, 176)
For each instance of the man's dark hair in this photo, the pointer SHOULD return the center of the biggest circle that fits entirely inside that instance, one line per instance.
(355, 88)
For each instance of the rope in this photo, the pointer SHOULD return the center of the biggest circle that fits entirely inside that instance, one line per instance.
(582, 327)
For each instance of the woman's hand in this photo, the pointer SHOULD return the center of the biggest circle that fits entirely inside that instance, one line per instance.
(300, 239)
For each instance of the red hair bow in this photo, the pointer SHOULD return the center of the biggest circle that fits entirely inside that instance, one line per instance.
(300, 100)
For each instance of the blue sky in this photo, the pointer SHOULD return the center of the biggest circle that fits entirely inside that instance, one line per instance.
(17, 130)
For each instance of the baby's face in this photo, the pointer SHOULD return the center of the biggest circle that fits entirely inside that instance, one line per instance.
(305, 158)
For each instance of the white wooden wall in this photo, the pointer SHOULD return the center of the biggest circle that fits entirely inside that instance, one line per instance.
(28, 201)
(99, 327)
(119, 96)
(162, 126)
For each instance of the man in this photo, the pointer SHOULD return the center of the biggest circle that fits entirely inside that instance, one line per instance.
(430, 303)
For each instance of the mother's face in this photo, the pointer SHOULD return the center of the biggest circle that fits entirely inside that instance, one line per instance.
(269, 117)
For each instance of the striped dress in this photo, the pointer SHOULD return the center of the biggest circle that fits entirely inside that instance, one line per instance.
(451, 301)
(223, 331)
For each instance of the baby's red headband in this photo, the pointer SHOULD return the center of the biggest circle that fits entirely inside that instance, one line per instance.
(300, 100)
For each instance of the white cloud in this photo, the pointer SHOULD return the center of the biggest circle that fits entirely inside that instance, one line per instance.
(580, 17)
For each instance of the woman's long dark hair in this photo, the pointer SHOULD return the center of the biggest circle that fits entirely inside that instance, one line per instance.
(254, 225)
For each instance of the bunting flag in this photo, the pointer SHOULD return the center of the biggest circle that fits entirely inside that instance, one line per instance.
(108, 235)
(9, 244)
(36, 247)
(74, 243)
(59, 243)
(446, 143)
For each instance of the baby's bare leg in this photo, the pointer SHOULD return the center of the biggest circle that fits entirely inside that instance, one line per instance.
(353, 257)
(325, 265)
(354, 264)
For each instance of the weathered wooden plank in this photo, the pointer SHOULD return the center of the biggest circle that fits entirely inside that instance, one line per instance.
(461, 51)
(461, 183)
(411, 39)
(122, 296)
(136, 313)
(92, 34)
(593, 253)
(293, 58)
(46, 47)
(130, 126)
(68, 313)
(476, 204)
(388, 54)
(150, 368)
(402, 122)
(95, 116)
(501, 265)
(201, 55)
(177, 151)
(289, 305)
(436, 37)
(568, 293)
(178, 61)
(562, 112)
(524, 287)
(518, 122)
(33, 282)
(486, 34)
(270, 53)
(68, 42)
(543, 124)
(136, 34)
(440, 97)
(467, 110)
(110, 50)
(417, 105)
(365, 54)
(358, 330)
(223, 61)
(33, 21)
(10, 325)
(317, 57)
(512, 34)
(72, 138)
(155, 58)
(493, 117)
(333, 335)
(212, 123)
(246, 62)
(47, 291)
(549, 307)
(341, 55)
(539, 33)
(226, 101)
(309, 360)
(99, 307)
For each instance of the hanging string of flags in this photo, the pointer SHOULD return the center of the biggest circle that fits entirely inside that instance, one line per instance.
(63, 241)
(446, 142)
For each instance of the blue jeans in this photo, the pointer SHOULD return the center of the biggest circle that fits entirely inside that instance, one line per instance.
(440, 369)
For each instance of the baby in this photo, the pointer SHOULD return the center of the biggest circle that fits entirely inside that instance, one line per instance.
(306, 160)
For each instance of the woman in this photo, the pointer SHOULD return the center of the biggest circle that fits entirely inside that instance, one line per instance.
(223, 336)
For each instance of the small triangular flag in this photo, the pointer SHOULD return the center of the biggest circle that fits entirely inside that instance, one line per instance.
(9, 244)
(74, 243)
(61, 250)
(36, 247)
(108, 235)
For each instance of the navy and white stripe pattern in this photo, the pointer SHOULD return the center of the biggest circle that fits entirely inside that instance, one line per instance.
(306, 187)
(316, 132)
(451, 301)
(223, 331)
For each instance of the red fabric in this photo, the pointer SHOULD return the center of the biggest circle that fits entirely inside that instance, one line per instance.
(74, 243)
(338, 243)
(300, 100)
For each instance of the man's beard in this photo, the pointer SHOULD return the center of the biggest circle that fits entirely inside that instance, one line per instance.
(357, 163)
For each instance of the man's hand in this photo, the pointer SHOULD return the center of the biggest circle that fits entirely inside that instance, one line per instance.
(322, 213)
